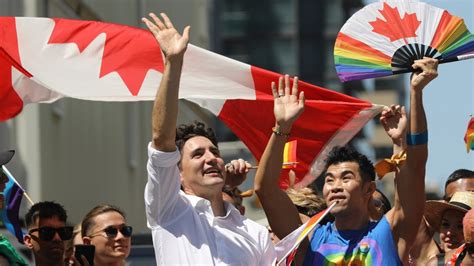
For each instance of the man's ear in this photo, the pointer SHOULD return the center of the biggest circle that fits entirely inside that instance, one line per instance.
(370, 188)
(27, 241)
(86, 240)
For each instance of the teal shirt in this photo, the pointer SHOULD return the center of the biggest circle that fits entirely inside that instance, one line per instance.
(372, 245)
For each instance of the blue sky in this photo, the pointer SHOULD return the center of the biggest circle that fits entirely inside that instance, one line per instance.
(449, 100)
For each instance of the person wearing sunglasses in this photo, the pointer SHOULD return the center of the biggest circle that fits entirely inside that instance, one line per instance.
(105, 227)
(47, 232)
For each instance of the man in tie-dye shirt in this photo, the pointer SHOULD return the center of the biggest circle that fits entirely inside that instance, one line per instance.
(353, 238)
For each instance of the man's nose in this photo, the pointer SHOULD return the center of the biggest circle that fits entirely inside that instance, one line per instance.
(210, 157)
(336, 185)
(56, 237)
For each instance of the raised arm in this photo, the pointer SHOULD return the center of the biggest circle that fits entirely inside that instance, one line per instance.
(394, 121)
(281, 213)
(408, 208)
(165, 109)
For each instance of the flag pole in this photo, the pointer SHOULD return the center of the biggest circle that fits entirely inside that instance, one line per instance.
(16, 182)
(284, 164)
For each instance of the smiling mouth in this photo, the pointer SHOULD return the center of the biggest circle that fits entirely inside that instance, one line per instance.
(212, 171)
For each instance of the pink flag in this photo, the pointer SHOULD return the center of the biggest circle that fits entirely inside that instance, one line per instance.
(44, 59)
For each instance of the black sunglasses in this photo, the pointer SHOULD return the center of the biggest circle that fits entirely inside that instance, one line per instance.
(47, 233)
(112, 231)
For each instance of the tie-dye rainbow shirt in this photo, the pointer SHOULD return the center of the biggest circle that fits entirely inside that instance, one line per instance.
(372, 245)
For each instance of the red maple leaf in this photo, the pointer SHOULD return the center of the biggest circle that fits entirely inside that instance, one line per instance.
(129, 51)
(395, 27)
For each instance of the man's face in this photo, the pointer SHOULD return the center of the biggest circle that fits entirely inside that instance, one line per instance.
(343, 184)
(43, 250)
(462, 184)
(202, 167)
(108, 249)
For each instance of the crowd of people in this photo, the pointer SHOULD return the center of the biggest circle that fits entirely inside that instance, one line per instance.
(194, 207)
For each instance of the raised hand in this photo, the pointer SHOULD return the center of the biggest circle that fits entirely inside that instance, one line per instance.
(171, 42)
(288, 106)
(236, 172)
(394, 121)
(426, 71)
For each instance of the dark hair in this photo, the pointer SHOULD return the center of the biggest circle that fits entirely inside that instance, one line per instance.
(187, 131)
(88, 221)
(385, 202)
(45, 210)
(346, 154)
(458, 174)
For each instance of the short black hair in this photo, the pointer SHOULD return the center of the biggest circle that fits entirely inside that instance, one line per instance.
(187, 131)
(45, 210)
(458, 174)
(347, 154)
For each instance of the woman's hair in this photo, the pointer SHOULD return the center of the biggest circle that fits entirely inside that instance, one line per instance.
(306, 200)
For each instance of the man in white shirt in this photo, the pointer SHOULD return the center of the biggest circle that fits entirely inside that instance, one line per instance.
(194, 225)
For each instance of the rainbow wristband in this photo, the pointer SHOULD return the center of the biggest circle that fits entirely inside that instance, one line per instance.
(417, 139)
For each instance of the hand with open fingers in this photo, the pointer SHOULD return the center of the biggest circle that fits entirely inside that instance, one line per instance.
(171, 42)
(426, 70)
(288, 105)
(394, 120)
(236, 172)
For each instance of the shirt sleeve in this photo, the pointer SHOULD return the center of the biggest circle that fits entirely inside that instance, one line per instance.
(163, 203)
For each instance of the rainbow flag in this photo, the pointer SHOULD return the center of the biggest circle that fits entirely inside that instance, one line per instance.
(289, 155)
(287, 247)
(12, 195)
(469, 137)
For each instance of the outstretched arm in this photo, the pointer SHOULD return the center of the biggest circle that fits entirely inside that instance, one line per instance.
(281, 213)
(409, 203)
(165, 109)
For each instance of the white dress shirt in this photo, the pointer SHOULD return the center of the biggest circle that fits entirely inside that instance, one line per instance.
(185, 230)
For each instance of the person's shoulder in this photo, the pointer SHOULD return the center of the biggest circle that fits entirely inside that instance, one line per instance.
(161, 158)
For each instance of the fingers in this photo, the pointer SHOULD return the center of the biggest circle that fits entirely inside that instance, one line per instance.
(274, 90)
(150, 25)
(294, 91)
(280, 87)
(239, 166)
(167, 21)
(157, 21)
(284, 87)
(287, 85)
(301, 100)
(186, 32)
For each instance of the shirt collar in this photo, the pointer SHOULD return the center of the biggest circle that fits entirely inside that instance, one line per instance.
(204, 205)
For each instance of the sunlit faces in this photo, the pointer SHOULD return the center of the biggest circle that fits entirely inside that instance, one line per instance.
(462, 184)
(451, 229)
(343, 184)
(108, 250)
(201, 167)
(52, 250)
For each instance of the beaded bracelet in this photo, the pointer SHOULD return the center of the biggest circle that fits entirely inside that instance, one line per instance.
(277, 132)
(417, 139)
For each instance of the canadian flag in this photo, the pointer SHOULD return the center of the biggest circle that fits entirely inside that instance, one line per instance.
(44, 59)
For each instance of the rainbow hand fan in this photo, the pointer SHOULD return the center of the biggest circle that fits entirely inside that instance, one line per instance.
(384, 38)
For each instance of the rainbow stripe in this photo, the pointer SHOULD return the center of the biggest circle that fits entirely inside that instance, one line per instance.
(355, 58)
(289, 155)
(469, 136)
(299, 234)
